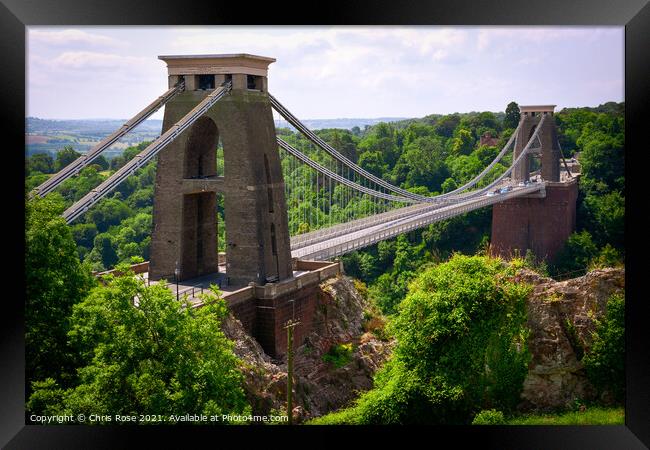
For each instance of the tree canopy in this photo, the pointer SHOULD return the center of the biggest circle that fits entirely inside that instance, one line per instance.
(146, 353)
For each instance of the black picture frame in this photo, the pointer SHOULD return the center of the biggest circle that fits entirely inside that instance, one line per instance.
(15, 15)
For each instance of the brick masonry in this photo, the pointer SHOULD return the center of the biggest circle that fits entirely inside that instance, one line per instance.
(273, 314)
(265, 310)
(539, 224)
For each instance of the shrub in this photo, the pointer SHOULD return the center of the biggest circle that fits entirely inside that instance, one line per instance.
(461, 347)
(489, 417)
(339, 355)
(605, 361)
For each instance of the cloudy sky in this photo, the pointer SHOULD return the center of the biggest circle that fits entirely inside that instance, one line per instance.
(333, 72)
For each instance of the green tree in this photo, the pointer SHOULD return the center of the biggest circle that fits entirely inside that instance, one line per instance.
(448, 185)
(463, 142)
(446, 125)
(575, 255)
(84, 234)
(606, 218)
(512, 115)
(108, 212)
(146, 353)
(74, 188)
(373, 162)
(425, 159)
(102, 162)
(35, 180)
(106, 249)
(41, 162)
(605, 361)
(602, 158)
(55, 280)
(64, 157)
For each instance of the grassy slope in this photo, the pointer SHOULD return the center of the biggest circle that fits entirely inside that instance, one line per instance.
(591, 416)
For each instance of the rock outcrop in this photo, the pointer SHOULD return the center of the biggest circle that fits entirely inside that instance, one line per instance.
(561, 319)
(319, 386)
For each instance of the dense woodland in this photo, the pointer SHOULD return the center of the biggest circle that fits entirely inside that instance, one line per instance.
(74, 346)
(431, 155)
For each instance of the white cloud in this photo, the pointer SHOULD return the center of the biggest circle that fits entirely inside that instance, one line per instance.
(491, 37)
(71, 36)
(338, 71)
(96, 60)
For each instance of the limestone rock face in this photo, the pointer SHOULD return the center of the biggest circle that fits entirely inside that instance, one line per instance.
(561, 319)
(319, 386)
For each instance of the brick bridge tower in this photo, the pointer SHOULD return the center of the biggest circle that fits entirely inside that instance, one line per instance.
(540, 222)
(187, 183)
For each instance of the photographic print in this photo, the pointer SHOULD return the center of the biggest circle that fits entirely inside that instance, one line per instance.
(425, 226)
(304, 227)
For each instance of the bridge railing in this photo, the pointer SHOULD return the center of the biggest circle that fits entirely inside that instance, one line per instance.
(82, 161)
(344, 244)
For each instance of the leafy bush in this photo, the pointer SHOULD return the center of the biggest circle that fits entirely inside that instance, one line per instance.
(339, 355)
(573, 258)
(605, 361)
(461, 347)
(489, 417)
(608, 257)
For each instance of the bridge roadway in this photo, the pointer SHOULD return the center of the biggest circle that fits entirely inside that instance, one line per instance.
(336, 241)
(323, 234)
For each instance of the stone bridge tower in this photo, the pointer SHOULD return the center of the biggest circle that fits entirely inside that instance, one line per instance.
(549, 152)
(187, 183)
(539, 222)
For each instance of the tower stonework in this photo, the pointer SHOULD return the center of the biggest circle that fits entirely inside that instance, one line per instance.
(187, 182)
(549, 152)
(538, 223)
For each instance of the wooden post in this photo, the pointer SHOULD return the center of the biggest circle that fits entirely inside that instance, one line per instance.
(290, 325)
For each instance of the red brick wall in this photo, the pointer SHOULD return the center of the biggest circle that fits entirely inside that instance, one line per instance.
(273, 314)
(539, 224)
(244, 311)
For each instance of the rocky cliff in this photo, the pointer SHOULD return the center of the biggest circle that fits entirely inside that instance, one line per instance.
(561, 318)
(320, 386)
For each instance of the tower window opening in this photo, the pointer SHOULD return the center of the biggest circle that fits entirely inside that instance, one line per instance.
(206, 82)
(228, 78)
(254, 82)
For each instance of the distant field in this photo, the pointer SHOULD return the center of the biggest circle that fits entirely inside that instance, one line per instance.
(35, 139)
(50, 136)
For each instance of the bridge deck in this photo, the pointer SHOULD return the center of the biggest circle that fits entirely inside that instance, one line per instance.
(359, 238)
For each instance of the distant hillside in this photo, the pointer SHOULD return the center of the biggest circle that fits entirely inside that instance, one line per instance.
(49, 136)
(318, 124)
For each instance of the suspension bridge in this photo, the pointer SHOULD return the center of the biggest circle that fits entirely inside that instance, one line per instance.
(283, 204)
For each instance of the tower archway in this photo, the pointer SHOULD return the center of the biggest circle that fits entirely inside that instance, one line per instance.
(187, 181)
